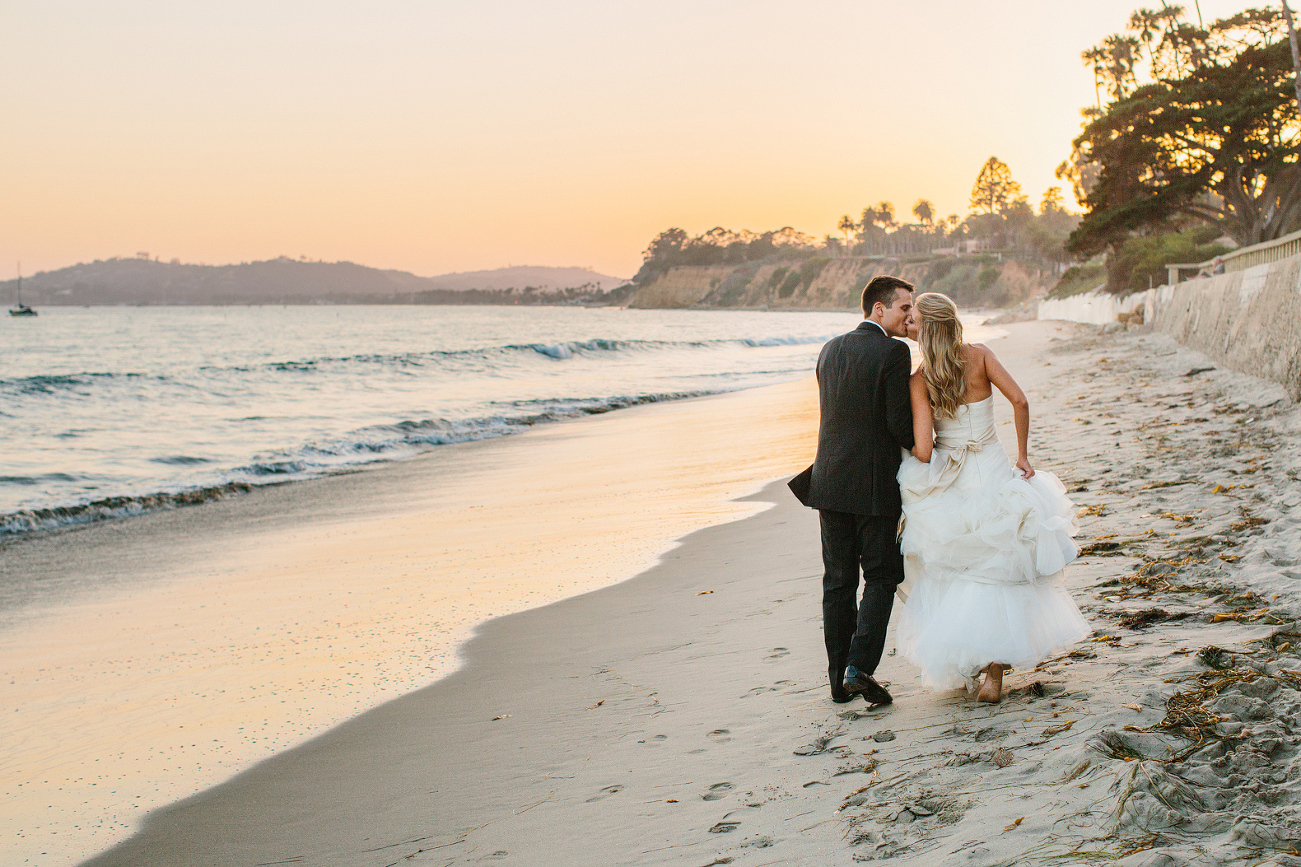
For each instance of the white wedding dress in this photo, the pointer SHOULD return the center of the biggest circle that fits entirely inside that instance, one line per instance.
(983, 553)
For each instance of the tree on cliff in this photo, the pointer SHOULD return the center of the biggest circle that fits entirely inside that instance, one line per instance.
(1206, 130)
(994, 189)
(1046, 235)
(881, 214)
(1052, 201)
(924, 211)
(848, 226)
(665, 244)
(719, 246)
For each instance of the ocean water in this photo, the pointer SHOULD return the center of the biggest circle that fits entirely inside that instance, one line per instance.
(110, 412)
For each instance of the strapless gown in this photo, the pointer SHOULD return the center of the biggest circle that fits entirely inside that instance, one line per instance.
(984, 550)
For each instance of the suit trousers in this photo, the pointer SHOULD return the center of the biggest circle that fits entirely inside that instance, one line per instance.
(854, 631)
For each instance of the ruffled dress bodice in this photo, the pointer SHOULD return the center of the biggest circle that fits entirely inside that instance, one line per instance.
(983, 550)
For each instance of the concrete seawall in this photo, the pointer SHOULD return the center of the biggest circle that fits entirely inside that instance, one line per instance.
(1096, 307)
(1249, 321)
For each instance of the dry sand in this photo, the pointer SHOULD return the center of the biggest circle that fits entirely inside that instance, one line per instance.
(682, 717)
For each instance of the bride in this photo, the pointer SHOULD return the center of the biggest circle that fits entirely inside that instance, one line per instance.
(984, 542)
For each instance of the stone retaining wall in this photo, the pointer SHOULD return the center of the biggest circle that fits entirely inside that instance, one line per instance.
(1247, 320)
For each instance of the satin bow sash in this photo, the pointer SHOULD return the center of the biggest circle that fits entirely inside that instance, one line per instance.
(952, 453)
(961, 447)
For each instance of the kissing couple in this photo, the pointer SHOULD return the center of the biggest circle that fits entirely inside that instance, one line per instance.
(914, 490)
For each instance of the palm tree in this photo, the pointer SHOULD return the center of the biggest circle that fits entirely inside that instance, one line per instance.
(1147, 24)
(847, 225)
(1095, 57)
(924, 211)
(885, 214)
(1119, 51)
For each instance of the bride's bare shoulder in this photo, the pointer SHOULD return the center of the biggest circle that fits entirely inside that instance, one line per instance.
(978, 352)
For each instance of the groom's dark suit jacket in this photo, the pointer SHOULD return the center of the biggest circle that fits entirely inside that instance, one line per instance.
(866, 420)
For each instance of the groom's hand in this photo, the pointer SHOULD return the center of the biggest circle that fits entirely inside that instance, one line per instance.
(1023, 464)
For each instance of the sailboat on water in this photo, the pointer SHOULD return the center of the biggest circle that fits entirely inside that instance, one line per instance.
(21, 309)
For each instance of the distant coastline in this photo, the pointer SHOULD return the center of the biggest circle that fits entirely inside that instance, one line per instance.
(144, 281)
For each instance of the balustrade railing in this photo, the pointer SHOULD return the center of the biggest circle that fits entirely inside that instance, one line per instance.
(1240, 259)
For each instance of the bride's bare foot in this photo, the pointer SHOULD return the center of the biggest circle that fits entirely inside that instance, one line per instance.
(992, 689)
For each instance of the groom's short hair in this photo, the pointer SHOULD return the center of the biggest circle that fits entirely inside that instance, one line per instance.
(882, 289)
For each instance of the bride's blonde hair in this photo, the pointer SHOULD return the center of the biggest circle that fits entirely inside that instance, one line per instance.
(939, 335)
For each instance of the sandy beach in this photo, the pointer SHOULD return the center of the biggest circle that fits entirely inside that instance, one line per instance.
(681, 717)
(212, 637)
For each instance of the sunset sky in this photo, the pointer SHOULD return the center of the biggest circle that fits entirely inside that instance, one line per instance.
(438, 136)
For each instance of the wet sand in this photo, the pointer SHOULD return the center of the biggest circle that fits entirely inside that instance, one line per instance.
(151, 658)
(682, 716)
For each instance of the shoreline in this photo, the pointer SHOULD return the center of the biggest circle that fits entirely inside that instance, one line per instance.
(230, 408)
(172, 606)
(235, 481)
(59, 518)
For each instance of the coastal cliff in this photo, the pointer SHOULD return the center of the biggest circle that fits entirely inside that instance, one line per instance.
(826, 283)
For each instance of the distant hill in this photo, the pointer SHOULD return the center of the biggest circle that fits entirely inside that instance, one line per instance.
(520, 276)
(292, 281)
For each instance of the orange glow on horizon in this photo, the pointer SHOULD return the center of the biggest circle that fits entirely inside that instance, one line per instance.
(442, 137)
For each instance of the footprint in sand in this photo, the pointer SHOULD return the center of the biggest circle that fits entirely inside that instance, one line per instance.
(719, 736)
(778, 653)
(717, 792)
(605, 793)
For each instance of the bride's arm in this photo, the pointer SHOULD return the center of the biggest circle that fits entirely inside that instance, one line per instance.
(923, 424)
(1003, 381)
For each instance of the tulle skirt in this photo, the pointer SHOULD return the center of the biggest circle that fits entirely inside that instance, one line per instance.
(984, 550)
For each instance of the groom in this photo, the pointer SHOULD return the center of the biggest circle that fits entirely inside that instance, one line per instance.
(866, 421)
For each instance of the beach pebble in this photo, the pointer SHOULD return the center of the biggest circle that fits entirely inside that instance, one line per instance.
(883, 736)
